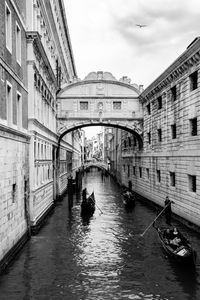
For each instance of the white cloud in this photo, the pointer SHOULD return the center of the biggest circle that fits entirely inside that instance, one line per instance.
(104, 35)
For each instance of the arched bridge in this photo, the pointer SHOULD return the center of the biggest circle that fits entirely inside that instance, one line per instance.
(100, 100)
(99, 164)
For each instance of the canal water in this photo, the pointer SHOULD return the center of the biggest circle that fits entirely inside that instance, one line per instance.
(105, 258)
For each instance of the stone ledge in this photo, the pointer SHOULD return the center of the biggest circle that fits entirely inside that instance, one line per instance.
(11, 254)
(42, 220)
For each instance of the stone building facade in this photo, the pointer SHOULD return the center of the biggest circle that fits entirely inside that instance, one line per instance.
(50, 66)
(169, 163)
(14, 136)
(36, 60)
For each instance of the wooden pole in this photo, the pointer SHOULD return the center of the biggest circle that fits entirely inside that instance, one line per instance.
(155, 219)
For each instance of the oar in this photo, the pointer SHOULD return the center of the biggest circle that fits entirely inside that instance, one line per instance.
(155, 219)
(99, 208)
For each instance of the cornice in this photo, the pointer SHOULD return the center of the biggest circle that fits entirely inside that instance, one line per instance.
(13, 134)
(189, 58)
(62, 10)
(84, 82)
(36, 123)
(37, 44)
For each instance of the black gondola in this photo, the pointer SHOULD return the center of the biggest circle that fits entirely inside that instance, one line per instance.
(128, 199)
(88, 206)
(178, 247)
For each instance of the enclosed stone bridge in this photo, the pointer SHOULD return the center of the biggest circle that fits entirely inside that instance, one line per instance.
(100, 100)
(98, 164)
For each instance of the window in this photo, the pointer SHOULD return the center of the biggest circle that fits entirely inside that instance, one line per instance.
(147, 172)
(193, 81)
(159, 135)
(117, 105)
(19, 110)
(193, 126)
(9, 103)
(192, 183)
(124, 143)
(149, 137)
(172, 179)
(149, 109)
(18, 44)
(83, 105)
(129, 141)
(173, 131)
(159, 102)
(134, 172)
(13, 192)
(8, 25)
(173, 93)
(140, 171)
(124, 168)
(134, 141)
(128, 171)
(158, 176)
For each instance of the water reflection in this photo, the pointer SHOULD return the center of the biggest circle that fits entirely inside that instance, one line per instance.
(102, 258)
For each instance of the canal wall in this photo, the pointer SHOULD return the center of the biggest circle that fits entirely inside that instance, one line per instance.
(14, 177)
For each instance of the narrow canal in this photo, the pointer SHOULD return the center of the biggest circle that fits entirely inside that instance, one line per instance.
(104, 259)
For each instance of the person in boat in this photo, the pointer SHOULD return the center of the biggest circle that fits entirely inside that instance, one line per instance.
(84, 194)
(127, 194)
(168, 210)
(172, 237)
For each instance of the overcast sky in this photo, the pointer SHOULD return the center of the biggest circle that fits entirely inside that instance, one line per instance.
(105, 37)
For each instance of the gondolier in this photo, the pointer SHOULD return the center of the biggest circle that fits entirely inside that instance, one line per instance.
(168, 210)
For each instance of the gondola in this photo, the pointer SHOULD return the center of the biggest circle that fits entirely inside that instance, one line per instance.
(128, 199)
(88, 206)
(182, 253)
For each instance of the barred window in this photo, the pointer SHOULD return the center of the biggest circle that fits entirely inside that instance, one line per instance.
(172, 179)
(192, 183)
(173, 93)
(159, 135)
(159, 102)
(193, 126)
(173, 131)
(140, 171)
(134, 171)
(158, 176)
(117, 105)
(193, 81)
(14, 189)
(149, 109)
(83, 105)
(129, 141)
(128, 171)
(147, 172)
(149, 137)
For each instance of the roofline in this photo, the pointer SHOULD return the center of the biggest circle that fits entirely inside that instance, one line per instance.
(83, 82)
(193, 47)
(63, 14)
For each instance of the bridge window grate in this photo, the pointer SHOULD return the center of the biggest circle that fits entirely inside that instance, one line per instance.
(84, 105)
(117, 105)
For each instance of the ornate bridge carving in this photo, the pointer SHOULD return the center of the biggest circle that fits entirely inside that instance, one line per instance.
(100, 100)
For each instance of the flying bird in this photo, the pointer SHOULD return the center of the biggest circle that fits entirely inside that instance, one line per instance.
(141, 25)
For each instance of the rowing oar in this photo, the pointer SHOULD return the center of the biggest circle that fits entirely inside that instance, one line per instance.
(99, 208)
(155, 219)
